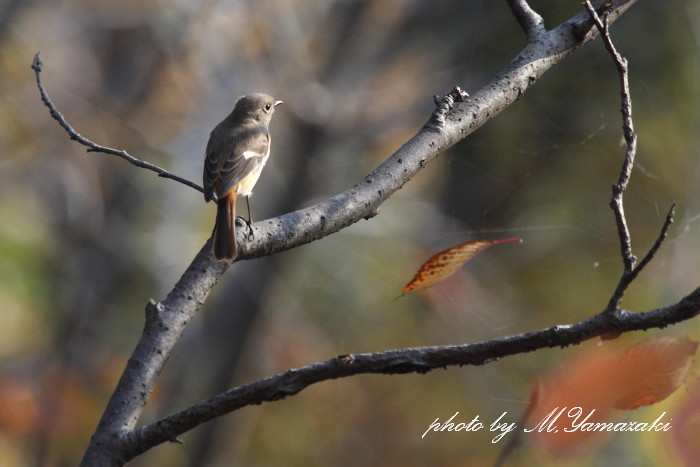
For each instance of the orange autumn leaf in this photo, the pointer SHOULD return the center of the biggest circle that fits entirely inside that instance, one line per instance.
(596, 381)
(653, 369)
(586, 382)
(446, 263)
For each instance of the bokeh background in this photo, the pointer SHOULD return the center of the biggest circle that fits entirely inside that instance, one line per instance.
(86, 239)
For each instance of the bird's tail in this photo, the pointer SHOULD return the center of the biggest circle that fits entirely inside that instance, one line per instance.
(224, 243)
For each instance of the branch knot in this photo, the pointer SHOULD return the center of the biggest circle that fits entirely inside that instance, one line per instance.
(445, 104)
(153, 307)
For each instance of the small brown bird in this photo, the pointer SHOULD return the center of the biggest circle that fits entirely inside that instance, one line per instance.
(237, 151)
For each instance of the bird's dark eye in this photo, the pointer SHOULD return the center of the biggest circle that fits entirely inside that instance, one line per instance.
(267, 107)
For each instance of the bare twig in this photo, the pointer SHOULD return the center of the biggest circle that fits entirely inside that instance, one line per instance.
(37, 66)
(631, 268)
(659, 240)
(531, 22)
(619, 188)
(629, 275)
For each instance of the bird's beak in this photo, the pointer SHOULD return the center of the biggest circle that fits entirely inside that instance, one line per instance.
(278, 103)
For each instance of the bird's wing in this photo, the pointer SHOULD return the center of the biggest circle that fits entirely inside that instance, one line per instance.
(231, 155)
(249, 151)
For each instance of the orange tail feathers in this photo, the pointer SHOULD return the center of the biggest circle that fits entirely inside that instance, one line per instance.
(224, 243)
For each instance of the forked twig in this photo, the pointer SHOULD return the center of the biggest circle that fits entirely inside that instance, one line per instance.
(37, 66)
(631, 267)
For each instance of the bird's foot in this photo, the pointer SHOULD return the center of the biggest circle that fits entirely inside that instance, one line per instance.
(248, 224)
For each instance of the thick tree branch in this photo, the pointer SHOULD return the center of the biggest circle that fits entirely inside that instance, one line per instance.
(165, 323)
(363, 200)
(412, 360)
(115, 440)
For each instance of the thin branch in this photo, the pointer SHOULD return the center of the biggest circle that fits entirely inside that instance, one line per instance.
(413, 360)
(531, 22)
(631, 268)
(619, 188)
(659, 240)
(630, 275)
(37, 66)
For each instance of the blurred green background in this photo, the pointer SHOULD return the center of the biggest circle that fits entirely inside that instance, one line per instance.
(86, 239)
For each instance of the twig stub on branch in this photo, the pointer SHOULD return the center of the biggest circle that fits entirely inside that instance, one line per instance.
(444, 104)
